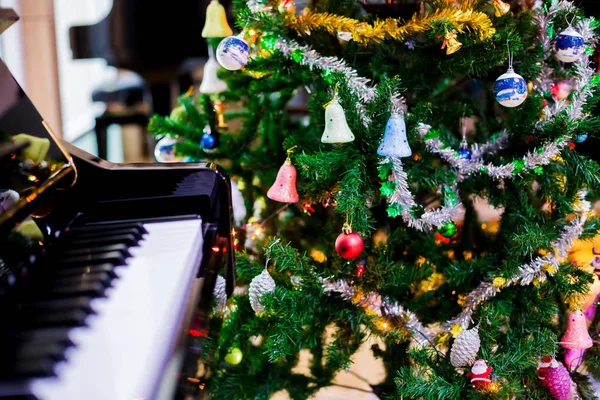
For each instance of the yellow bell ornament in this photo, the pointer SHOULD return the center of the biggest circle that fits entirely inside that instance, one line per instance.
(501, 8)
(451, 43)
(216, 25)
(336, 126)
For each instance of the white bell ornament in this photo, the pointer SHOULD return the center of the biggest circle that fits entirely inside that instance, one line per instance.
(336, 126)
(210, 82)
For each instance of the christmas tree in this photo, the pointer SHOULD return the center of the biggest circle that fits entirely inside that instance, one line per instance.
(428, 192)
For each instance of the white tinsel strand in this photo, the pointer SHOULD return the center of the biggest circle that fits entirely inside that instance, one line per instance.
(359, 86)
(257, 6)
(382, 306)
(465, 167)
(404, 198)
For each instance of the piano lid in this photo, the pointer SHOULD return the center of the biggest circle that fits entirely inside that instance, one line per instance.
(31, 159)
(7, 17)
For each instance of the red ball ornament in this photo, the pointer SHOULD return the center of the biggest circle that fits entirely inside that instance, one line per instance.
(349, 244)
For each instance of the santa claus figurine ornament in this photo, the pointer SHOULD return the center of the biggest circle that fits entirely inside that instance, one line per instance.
(543, 366)
(480, 375)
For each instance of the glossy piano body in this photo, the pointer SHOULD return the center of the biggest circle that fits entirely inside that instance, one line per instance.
(107, 292)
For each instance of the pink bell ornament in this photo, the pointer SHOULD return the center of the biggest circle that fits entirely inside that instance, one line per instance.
(284, 188)
(576, 335)
(558, 381)
(395, 143)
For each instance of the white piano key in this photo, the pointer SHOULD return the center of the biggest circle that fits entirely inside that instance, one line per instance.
(121, 354)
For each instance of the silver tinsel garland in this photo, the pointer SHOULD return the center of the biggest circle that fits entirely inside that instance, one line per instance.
(404, 198)
(531, 160)
(382, 306)
(360, 87)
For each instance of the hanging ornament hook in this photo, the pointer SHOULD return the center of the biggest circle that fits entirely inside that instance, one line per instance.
(510, 55)
(335, 95)
(570, 23)
(289, 151)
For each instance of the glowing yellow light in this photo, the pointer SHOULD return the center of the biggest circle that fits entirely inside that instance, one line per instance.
(499, 282)
(32, 178)
(456, 330)
(484, 226)
(318, 255)
(385, 325)
(549, 268)
(195, 380)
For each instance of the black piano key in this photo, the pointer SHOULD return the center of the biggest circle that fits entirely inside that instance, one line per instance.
(129, 240)
(71, 303)
(107, 227)
(122, 248)
(138, 233)
(93, 289)
(58, 319)
(112, 257)
(28, 368)
(91, 277)
(40, 335)
(74, 270)
(88, 289)
(31, 351)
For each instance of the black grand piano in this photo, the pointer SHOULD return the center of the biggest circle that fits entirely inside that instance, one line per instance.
(106, 270)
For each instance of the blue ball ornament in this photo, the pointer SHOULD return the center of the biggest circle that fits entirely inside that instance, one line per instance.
(581, 138)
(464, 153)
(233, 53)
(208, 141)
(569, 45)
(164, 151)
(510, 89)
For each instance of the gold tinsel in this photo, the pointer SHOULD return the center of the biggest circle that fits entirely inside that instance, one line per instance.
(461, 19)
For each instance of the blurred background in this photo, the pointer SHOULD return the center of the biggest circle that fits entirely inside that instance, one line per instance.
(98, 69)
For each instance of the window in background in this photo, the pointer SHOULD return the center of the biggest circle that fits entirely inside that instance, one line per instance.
(79, 78)
(10, 47)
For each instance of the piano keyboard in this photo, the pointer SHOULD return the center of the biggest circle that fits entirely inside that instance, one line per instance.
(101, 320)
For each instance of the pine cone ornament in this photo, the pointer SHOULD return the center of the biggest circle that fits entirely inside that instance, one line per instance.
(220, 294)
(465, 348)
(559, 381)
(260, 285)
